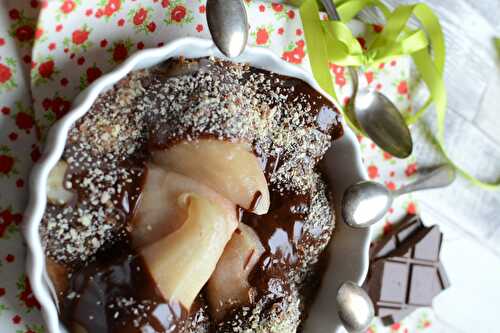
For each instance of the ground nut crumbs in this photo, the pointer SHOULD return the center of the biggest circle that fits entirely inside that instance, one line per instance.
(168, 103)
(289, 125)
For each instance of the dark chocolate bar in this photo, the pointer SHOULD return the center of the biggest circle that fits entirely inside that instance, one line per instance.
(405, 271)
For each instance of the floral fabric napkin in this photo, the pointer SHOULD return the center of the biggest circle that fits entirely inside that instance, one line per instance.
(51, 50)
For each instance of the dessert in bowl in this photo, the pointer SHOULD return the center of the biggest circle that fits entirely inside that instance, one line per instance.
(187, 197)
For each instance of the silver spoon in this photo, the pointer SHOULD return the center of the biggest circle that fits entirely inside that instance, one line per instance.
(366, 202)
(374, 113)
(228, 25)
(355, 307)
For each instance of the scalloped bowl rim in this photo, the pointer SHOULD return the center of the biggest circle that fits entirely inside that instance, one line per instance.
(190, 48)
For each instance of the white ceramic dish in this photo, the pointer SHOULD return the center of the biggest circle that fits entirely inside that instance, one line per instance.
(348, 250)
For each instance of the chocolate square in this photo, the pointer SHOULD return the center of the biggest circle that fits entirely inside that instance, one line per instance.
(395, 278)
(405, 272)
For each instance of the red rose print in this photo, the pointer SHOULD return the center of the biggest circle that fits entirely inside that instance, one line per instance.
(60, 107)
(25, 33)
(52, 46)
(67, 6)
(281, 31)
(121, 22)
(5, 73)
(199, 27)
(46, 69)
(152, 26)
(79, 36)
(64, 81)
(202, 9)
(403, 87)
(6, 164)
(111, 7)
(46, 103)
(35, 154)
(38, 33)
(373, 171)
(140, 16)
(300, 43)
(298, 32)
(14, 14)
(369, 77)
(340, 80)
(120, 53)
(390, 185)
(5, 110)
(2, 41)
(24, 121)
(19, 183)
(262, 36)
(411, 169)
(93, 73)
(16, 319)
(34, 3)
(393, 63)
(59, 27)
(27, 296)
(13, 136)
(178, 13)
(89, 12)
(2, 292)
(337, 70)
(412, 208)
(103, 43)
(140, 45)
(291, 14)
(166, 3)
(378, 86)
(277, 7)
(80, 61)
(387, 156)
(378, 28)
(362, 42)
(395, 326)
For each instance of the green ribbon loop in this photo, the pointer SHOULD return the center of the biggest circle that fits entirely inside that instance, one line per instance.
(332, 42)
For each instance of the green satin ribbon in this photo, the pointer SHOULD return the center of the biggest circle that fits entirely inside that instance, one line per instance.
(332, 42)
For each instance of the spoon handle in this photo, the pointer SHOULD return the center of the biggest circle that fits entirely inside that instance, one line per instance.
(440, 176)
(331, 9)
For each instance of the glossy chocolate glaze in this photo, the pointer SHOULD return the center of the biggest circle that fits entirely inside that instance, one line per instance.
(119, 273)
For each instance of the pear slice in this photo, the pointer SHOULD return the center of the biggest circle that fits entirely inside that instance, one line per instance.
(58, 275)
(157, 213)
(228, 286)
(231, 169)
(57, 194)
(182, 262)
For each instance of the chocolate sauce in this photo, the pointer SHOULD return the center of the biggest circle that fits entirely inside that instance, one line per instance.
(118, 294)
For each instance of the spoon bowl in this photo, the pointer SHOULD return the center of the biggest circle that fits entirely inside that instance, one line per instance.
(355, 307)
(379, 118)
(365, 203)
(228, 24)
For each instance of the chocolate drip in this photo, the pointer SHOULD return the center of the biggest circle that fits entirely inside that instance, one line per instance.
(118, 294)
(115, 292)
